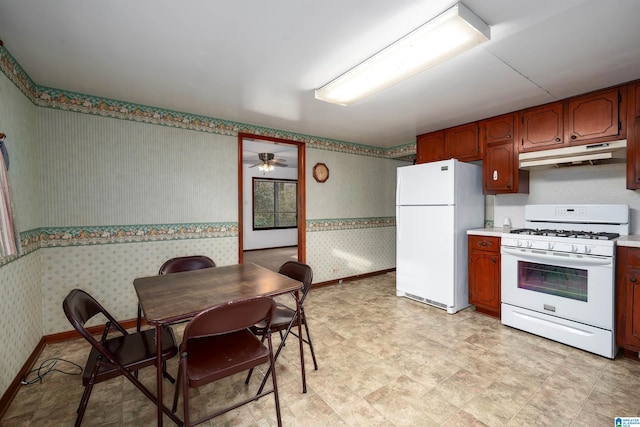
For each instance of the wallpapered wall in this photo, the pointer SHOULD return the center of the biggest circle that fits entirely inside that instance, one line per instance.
(102, 199)
(20, 286)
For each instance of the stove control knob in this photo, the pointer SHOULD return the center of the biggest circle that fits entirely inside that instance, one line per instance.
(519, 243)
(574, 248)
(550, 245)
(529, 243)
(587, 250)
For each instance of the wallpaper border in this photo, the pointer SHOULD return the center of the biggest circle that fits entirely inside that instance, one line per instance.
(47, 97)
(51, 237)
(349, 223)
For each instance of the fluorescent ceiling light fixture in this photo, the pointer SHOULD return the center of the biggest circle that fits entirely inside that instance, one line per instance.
(448, 34)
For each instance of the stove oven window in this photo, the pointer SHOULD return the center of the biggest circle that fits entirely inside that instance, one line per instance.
(555, 280)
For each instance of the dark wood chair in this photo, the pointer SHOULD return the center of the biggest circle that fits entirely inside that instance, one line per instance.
(284, 316)
(177, 265)
(123, 354)
(217, 343)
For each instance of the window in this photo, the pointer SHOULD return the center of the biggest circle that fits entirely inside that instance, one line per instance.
(275, 203)
(9, 237)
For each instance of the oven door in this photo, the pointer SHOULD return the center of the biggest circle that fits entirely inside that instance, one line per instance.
(570, 286)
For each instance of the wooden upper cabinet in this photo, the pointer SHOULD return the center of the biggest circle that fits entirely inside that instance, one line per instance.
(499, 129)
(542, 127)
(500, 173)
(498, 168)
(595, 117)
(633, 137)
(636, 94)
(463, 143)
(430, 147)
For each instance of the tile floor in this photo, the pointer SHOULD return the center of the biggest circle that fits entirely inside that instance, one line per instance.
(384, 361)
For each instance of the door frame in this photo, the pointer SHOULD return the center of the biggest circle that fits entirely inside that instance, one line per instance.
(302, 192)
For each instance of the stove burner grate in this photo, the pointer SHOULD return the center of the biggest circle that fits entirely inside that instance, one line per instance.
(566, 233)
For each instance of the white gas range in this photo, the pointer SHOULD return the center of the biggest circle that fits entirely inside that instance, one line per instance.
(558, 274)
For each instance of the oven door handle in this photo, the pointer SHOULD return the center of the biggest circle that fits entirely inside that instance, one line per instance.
(530, 256)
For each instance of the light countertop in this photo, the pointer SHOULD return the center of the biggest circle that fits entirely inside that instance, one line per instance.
(491, 231)
(633, 240)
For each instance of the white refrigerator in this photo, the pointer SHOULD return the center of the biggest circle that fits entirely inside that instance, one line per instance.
(436, 203)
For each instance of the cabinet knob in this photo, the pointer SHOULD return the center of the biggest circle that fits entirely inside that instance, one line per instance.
(633, 280)
(574, 136)
(508, 186)
(558, 140)
(493, 259)
(508, 136)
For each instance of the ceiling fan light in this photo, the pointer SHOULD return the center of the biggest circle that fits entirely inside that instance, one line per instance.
(445, 36)
(266, 167)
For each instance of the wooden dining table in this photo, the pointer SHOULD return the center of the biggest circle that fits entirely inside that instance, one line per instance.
(171, 298)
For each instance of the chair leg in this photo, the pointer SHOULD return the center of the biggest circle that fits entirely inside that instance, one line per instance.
(275, 383)
(313, 353)
(84, 400)
(176, 393)
(246, 382)
(168, 376)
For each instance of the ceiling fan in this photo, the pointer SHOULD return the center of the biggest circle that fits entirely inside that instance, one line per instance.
(268, 162)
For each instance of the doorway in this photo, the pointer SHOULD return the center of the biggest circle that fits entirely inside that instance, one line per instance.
(255, 151)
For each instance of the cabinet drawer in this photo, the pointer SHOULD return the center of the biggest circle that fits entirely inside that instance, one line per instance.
(484, 244)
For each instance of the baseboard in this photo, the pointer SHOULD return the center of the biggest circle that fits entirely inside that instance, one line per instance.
(14, 387)
(352, 278)
(270, 247)
(93, 330)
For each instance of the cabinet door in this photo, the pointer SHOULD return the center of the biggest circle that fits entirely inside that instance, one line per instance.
(542, 127)
(633, 162)
(484, 274)
(499, 129)
(628, 298)
(430, 147)
(636, 93)
(632, 310)
(594, 116)
(463, 143)
(633, 137)
(498, 168)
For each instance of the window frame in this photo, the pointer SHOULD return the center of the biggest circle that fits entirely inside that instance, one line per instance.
(275, 204)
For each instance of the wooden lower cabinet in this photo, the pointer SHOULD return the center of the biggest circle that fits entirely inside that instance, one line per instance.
(484, 274)
(628, 298)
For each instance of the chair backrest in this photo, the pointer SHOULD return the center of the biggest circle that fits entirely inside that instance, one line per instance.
(186, 263)
(229, 317)
(80, 307)
(300, 272)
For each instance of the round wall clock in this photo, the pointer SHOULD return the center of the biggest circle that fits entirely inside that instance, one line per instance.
(321, 172)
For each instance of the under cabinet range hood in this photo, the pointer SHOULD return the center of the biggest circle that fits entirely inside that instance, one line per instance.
(575, 155)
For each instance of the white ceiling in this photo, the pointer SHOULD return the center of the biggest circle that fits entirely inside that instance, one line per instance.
(258, 62)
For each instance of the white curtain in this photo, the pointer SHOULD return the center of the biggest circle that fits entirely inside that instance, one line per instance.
(9, 238)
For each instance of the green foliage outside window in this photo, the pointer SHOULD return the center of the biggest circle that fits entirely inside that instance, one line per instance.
(275, 203)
